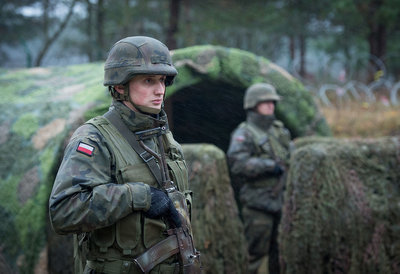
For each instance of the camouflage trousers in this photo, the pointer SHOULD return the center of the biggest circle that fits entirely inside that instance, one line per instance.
(261, 231)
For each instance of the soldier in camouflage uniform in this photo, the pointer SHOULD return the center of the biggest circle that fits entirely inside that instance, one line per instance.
(110, 190)
(258, 158)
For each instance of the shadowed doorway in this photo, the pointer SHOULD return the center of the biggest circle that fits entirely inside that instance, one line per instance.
(205, 113)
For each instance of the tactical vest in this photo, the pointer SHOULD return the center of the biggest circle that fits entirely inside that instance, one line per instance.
(132, 235)
(273, 143)
(265, 193)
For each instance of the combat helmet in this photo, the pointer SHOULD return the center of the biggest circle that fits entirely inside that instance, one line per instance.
(137, 55)
(258, 93)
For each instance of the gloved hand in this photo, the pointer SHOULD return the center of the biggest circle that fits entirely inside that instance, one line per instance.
(162, 206)
(278, 170)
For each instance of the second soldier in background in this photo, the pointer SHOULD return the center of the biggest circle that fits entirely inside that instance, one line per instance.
(258, 157)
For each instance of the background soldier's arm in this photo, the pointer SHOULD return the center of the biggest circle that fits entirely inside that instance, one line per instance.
(243, 159)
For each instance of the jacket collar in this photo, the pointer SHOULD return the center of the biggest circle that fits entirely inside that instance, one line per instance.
(261, 121)
(137, 121)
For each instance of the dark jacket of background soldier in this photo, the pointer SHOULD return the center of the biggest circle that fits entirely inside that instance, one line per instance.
(258, 156)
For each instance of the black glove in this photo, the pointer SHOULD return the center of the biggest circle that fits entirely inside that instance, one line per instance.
(162, 206)
(278, 170)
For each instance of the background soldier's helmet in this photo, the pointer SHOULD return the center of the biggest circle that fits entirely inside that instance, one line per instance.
(258, 93)
(137, 55)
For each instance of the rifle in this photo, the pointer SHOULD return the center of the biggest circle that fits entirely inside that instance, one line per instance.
(180, 240)
(276, 190)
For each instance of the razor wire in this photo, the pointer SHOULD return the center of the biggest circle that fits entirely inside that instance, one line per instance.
(336, 90)
(359, 91)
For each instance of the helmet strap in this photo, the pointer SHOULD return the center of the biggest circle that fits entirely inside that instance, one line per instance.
(116, 95)
(141, 109)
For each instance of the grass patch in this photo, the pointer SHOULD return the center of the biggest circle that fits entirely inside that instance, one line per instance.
(363, 120)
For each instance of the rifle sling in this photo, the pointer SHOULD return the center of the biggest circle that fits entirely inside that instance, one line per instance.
(149, 159)
(178, 240)
(157, 253)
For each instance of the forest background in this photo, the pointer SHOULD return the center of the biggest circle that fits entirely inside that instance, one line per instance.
(347, 52)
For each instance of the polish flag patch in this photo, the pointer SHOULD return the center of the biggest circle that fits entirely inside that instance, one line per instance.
(239, 138)
(85, 149)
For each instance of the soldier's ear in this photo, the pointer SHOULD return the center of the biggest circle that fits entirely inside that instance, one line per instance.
(119, 89)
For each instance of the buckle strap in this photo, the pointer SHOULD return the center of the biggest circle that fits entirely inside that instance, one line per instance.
(157, 253)
(130, 137)
(146, 156)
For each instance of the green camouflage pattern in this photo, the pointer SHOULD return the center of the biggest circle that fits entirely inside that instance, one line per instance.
(261, 230)
(41, 107)
(256, 147)
(255, 150)
(258, 93)
(342, 205)
(217, 228)
(241, 69)
(103, 187)
(137, 55)
(85, 195)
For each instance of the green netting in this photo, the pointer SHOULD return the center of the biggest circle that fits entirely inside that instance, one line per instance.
(41, 106)
(342, 202)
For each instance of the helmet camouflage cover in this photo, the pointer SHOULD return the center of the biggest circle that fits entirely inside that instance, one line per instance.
(137, 55)
(258, 93)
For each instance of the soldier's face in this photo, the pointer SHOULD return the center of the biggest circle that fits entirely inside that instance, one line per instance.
(266, 108)
(146, 91)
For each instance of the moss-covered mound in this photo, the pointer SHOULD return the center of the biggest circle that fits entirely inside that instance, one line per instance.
(342, 207)
(38, 107)
(206, 100)
(205, 103)
(218, 231)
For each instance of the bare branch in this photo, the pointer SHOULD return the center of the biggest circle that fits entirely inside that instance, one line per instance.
(51, 39)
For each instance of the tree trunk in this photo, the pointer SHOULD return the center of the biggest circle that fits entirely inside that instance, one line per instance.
(126, 22)
(292, 49)
(46, 9)
(377, 43)
(187, 16)
(99, 30)
(292, 53)
(89, 33)
(377, 34)
(51, 39)
(302, 45)
(174, 9)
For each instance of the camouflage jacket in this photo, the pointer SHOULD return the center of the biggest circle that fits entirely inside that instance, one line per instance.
(86, 194)
(256, 146)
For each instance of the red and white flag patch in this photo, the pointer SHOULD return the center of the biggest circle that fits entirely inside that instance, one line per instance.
(239, 138)
(85, 149)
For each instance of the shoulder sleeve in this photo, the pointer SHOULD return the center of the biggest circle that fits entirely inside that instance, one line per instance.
(284, 134)
(242, 156)
(173, 148)
(278, 123)
(84, 196)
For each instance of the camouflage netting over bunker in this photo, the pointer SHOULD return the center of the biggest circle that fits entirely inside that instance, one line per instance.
(205, 103)
(210, 87)
(40, 107)
(219, 233)
(342, 207)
